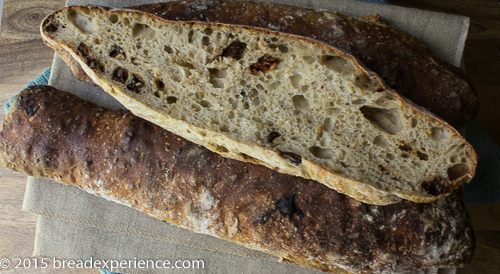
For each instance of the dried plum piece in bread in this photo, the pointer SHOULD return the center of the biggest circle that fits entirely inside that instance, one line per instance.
(399, 58)
(288, 102)
(52, 134)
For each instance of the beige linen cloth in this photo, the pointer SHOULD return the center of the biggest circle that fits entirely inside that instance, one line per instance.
(75, 225)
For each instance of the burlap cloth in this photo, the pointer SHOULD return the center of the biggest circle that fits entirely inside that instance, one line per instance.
(75, 225)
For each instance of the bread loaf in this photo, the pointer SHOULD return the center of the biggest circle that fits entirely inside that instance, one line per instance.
(287, 102)
(399, 58)
(114, 154)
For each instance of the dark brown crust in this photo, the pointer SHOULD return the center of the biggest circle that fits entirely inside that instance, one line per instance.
(52, 134)
(399, 58)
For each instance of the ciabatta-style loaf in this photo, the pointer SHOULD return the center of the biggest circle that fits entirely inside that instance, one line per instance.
(399, 58)
(288, 102)
(52, 134)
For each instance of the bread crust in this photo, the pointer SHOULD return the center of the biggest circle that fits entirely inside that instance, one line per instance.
(51, 134)
(399, 58)
(237, 150)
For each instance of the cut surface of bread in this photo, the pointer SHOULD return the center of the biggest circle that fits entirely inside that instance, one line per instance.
(288, 102)
(399, 58)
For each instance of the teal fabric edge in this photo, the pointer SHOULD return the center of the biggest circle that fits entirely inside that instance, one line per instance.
(41, 79)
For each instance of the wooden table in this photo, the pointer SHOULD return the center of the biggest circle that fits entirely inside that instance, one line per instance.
(24, 56)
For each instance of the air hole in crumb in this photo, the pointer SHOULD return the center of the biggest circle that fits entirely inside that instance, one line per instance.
(185, 64)
(113, 18)
(217, 83)
(220, 148)
(364, 82)
(381, 141)
(208, 31)
(405, 148)
(328, 125)
(168, 49)
(386, 101)
(80, 21)
(215, 73)
(205, 104)
(283, 48)
(390, 156)
(235, 50)
(309, 59)
(247, 157)
(190, 36)
(215, 77)
(414, 122)
(422, 156)
(458, 171)
(300, 102)
(439, 134)
(159, 84)
(52, 27)
(454, 158)
(359, 102)
(295, 80)
(171, 100)
(274, 85)
(336, 63)
(253, 92)
(321, 153)
(389, 120)
(205, 41)
(157, 94)
(142, 31)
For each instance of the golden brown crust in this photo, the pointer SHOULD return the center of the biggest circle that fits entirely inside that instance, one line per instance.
(402, 61)
(52, 134)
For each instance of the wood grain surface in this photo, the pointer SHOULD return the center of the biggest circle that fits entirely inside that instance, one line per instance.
(24, 56)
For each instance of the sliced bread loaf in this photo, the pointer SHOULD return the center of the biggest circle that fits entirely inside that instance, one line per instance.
(288, 102)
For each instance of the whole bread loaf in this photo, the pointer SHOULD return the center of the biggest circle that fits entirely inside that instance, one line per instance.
(288, 102)
(114, 154)
(399, 58)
